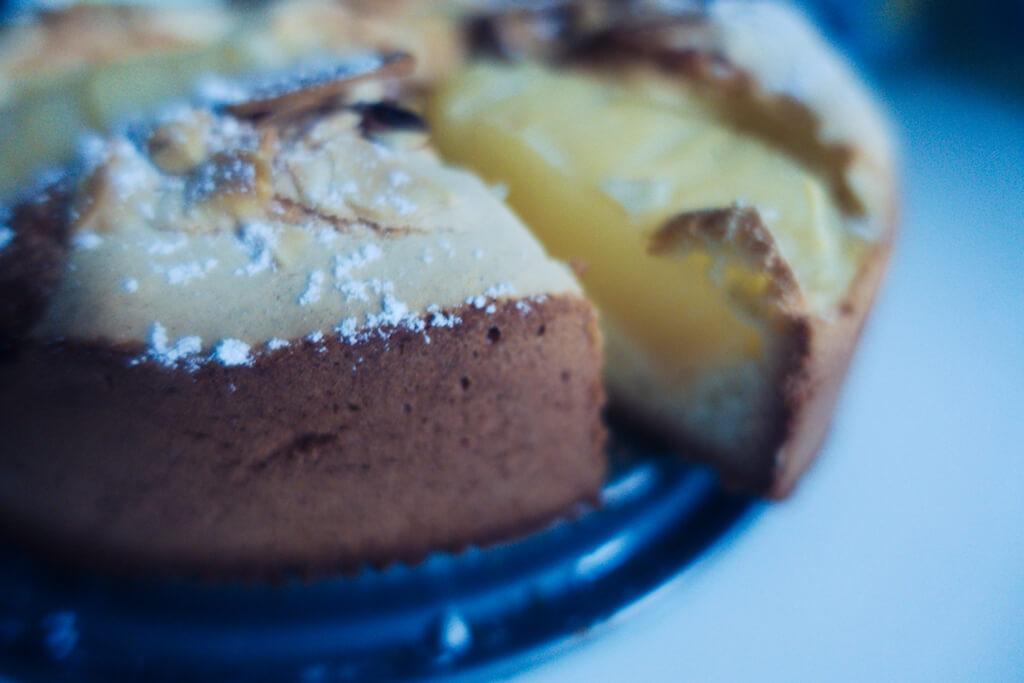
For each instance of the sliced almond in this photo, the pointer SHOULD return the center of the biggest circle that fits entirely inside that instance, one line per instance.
(179, 146)
(236, 182)
(310, 88)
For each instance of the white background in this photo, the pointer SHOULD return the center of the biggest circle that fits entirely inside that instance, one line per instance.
(901, 556)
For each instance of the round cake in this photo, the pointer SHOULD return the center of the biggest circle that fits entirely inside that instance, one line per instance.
(275, 330)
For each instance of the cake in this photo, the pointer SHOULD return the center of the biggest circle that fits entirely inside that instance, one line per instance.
(275, 335)
(723, 183)
(276, 330)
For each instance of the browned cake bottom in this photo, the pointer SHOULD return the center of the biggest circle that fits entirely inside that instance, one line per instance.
(300, 463)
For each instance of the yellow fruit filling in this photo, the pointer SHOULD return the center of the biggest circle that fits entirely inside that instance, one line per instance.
(597, 166)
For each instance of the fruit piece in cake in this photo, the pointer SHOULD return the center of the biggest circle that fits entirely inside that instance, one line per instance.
(724, 183)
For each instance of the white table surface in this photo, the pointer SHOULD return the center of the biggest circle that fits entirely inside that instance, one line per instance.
(901, 556)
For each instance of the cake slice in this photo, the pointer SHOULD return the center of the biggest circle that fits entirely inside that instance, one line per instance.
(277, 335)
(723, 185)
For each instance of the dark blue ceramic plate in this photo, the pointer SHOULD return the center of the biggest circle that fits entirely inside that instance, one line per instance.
(451, 613)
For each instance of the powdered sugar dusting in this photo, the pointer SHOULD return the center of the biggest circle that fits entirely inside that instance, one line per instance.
(347, 328)
(6, 235)
(500, 289)
(167, 248)
(232, 352)
(214, 89)
(172, 354)
(359, 290)
(129, 169)
(492, 292)
(86, 240)
(325, 235)
(345, 264)
(205, 180)
(193, 270)
(258, 240)
(277, 343)
(398, 204)
(440, 319)
(392, 312)
(92, 151)
(314, 288)
(129, 285)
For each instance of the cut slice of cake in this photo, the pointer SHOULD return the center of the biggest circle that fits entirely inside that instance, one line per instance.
(724, 187)
(279, 336)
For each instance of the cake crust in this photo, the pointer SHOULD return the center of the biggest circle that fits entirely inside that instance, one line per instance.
(317, 458)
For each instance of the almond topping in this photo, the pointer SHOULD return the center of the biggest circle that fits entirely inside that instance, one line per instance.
(310, 88)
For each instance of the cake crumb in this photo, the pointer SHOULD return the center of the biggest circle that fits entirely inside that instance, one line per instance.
(232, 352)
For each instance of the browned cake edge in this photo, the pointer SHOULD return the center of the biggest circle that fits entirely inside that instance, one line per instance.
(317, 458)
(806, 389)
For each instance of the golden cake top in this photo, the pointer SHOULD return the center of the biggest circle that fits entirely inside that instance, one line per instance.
(289, 211)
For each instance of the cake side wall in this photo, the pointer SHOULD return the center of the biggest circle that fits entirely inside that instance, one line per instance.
(319, 457)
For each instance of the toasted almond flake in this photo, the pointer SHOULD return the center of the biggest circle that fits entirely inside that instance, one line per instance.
(310, 87)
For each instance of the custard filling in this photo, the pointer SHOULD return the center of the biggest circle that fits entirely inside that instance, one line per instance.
(597, 166)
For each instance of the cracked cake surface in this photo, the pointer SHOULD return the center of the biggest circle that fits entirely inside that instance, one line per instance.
(274, 334)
